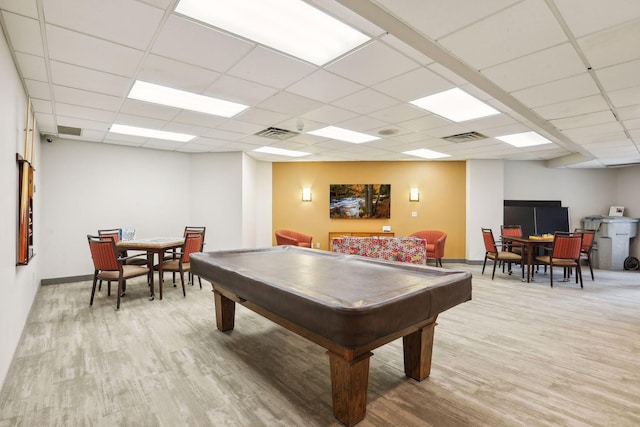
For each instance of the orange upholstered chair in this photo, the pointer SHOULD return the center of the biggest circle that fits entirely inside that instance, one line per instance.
(288, 237)
(435, 243)
(494, 253)
(565, 253)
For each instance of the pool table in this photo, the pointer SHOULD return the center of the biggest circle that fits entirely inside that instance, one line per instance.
(347, 304)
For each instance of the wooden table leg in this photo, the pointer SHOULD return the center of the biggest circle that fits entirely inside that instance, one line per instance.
(349, 381)
(418, 347)
(151, 284)
(225, 312)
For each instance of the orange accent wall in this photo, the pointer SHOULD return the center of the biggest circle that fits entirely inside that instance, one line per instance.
(442, 204)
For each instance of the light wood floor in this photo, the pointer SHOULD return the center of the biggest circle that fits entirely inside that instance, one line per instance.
(518, 354)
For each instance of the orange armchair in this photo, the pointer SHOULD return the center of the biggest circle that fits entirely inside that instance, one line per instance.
(435, 243)
(288, 237)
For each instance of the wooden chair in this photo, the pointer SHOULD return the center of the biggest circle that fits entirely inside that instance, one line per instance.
(181, 263)
(435, 243)
(492, 252)
(587, 247)
(108, 266)
(294, 238)
(188, 230)
(565, 253)
(115, 233)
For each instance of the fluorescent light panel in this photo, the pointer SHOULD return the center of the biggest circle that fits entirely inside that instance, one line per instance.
(163, 95)
(150, 133)
(456, 105)
(290, 26)
(281, 151)
(341, 134)
(426, 154)
(524, 139)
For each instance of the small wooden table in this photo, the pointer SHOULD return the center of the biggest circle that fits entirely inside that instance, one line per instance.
(529, 245)
(152, 245)
(305, 291)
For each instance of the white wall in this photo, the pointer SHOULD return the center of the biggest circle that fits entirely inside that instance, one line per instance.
(584, 191)
(485, 201)
(628, 188)
(90, 186)
(18, 284)
(256, 203)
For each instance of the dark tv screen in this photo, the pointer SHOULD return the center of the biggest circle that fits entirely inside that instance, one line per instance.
(359, 201)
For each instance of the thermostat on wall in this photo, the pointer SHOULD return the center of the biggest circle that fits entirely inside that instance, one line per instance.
(386, 228)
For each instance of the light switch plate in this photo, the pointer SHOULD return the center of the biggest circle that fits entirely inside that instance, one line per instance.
(414, 213)
(386, 228)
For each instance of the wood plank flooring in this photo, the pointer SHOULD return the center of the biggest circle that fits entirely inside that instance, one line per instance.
(518, 354)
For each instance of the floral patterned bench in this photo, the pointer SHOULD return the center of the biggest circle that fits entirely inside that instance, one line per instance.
(403, 249)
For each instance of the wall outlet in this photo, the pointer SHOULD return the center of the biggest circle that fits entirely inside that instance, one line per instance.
(386, 228)
(318, 245)
(414, 213)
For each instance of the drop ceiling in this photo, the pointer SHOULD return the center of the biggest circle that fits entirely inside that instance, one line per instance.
(567, 69)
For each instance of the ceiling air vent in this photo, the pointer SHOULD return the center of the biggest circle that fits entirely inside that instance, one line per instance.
(276, 133)
(68, 130)
(465, 137)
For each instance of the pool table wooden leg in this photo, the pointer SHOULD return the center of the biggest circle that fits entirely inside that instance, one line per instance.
(225, 311)
(418, 347)
(349, 381)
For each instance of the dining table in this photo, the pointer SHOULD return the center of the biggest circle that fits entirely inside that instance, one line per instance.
(152, 246)
(530, 245)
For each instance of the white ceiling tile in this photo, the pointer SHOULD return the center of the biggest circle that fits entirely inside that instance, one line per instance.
(117, 138)
(413, 85)
(541, 67)
(632, 124)
(196, 44)
(620, 76)
(366, 101)
(324, 86)
(105, 20)
(625, 97)
(69, 110)
(261, 116)
(239, 90)
(398, 113)
(86, 99)
(92, 135)
(175, 74)
(45, 123)
(24, 33)
(148, 109)
(522, 29)
(162, 4)
(612, 46)
(588, 16)
(84, 78)
(224, 135)
(42, 106)
(82, 124)
(601, 132)
(289, 103)
(90, 52)
(162, 144)
(37, 89)
(185, 128)
(240, 126)
(409, 51)
(271, 68)
(362, 124)
(629, 113)
(32, 67)
(567, 89)
(582, 120)
(438, 18)
(22, 7)
(574, 107)
(372, 64)
(447, 74)
(425, 123)
(198, 119)
(328, 114)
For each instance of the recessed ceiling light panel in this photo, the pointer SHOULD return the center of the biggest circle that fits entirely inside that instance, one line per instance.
(290, 26)
(149, 92)
(426, 154)
(341, 134)
(150, 133)
(281, 151)
(524, 139)
(456, 105)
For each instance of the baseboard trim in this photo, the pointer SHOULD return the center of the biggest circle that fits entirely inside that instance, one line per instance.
(70, 279)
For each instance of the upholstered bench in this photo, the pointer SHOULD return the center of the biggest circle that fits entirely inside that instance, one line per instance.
(403, 249)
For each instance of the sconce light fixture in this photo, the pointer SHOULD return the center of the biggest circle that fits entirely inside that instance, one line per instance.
(414, 196)
(306, 194)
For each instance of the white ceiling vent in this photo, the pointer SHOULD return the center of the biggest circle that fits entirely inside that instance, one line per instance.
(276, 133)
(465, 137)
(68, 130)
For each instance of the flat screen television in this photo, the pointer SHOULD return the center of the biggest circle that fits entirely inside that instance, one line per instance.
(360, 201)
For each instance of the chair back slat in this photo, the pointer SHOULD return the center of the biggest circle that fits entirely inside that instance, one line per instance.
(567, 245)
(587, 239)
(511, 230)
(103, 253)
(196, 230)
(112, 232)
(489, 241)
(192, 243)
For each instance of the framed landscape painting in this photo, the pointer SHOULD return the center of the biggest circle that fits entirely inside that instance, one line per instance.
(360, 201)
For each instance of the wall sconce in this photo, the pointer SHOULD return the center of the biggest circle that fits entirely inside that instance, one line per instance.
(306, 194)
(414, 196)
